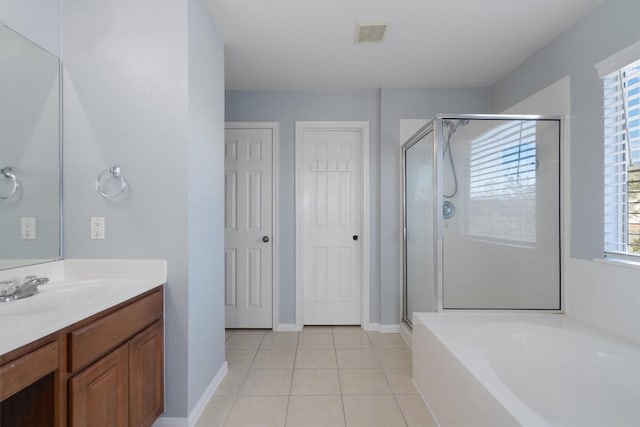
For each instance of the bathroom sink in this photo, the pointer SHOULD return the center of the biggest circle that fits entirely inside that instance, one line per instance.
(34, 305)
(52, 299)
(67, 284)
(74, 292)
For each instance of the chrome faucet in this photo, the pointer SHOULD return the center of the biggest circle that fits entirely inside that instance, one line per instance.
(29, 287)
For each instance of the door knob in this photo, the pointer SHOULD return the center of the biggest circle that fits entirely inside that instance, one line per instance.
(265, 239)
(355, 237)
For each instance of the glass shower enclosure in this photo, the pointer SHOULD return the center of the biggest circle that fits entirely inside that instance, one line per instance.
(481, 214)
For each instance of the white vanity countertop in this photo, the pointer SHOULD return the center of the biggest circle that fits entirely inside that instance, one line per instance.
(78, 289)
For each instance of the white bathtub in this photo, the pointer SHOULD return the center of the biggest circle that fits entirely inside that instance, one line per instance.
(524, 369)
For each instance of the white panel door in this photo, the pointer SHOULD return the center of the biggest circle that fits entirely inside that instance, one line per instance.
(248, 228)
(331, 226)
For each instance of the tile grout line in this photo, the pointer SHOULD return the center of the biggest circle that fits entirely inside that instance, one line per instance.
(237, 393)
(404, 418)
(226, 417)
(395, 399)
(293, 372)
(335, 353)
(249, 368)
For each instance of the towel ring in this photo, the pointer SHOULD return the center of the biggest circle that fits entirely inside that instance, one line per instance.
(114, 172)
(7, 172)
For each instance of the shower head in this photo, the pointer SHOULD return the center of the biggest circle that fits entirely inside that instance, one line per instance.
(453, 126)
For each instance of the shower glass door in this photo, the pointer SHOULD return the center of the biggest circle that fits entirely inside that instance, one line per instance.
(418, 218)
(501, 244)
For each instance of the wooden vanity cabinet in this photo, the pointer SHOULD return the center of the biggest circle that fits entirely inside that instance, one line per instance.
(125, 387)
(106, 370)
(117, 368)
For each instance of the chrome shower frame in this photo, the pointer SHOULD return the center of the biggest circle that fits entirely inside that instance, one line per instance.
(437, 127)
(423, 132)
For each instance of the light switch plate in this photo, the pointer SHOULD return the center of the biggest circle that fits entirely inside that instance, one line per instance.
(28, 228)
(97, 228)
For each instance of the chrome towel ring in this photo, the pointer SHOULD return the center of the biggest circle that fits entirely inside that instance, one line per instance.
(7, 173)
(112, 172)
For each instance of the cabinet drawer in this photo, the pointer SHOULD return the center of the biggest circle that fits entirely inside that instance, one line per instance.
(88, 343)
(27, 369)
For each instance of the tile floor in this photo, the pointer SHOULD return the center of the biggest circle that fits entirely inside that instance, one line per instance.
(322, 376)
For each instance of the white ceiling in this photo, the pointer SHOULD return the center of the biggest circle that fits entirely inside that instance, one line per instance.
(308, 44)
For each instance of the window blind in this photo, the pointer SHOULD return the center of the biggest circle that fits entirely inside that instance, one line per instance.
(503, 161)
(501, 176)
(621, 102)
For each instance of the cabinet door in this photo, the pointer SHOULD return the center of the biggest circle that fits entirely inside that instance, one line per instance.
(146, 376)
(100, 393)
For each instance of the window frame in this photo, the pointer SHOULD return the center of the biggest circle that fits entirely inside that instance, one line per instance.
(620, 121)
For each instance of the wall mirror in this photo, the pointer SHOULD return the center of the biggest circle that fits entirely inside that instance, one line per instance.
(30, 152)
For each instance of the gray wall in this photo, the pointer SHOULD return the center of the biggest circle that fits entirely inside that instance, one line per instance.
(383, 109)
(205, 201)
(608, 29)
(127, 102)
(38, 20)
(286, 108)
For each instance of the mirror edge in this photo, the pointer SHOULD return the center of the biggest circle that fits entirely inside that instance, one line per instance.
(60, 254)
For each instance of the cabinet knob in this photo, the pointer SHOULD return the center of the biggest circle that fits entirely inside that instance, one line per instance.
(355, 237)
(265, 239)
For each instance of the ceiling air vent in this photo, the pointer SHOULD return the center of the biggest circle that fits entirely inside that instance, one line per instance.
(370, 32)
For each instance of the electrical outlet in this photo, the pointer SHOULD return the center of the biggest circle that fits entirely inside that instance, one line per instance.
(97, 228)
(28, 228)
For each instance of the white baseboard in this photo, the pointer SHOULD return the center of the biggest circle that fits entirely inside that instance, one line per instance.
(387, 329)
(383, 329)
(170, 422)
(287, 327)
(291, 327)
(371, 327)
(191, 420)
(208, 393)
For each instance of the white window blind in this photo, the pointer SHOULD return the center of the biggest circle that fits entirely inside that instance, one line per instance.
(502, 182)
(621, 100)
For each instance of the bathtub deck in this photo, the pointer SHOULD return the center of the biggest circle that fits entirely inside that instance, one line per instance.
(466, 370)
